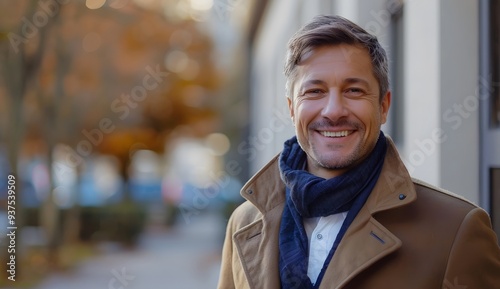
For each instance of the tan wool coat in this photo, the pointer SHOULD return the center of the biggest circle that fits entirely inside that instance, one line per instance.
(408, 235)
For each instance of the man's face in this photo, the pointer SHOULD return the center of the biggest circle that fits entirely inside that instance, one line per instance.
(336, 108)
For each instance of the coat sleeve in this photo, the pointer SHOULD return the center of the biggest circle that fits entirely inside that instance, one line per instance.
(474, 260)
(226, 279)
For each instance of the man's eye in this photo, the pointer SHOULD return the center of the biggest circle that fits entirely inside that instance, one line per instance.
(354, 91)
(313, 92)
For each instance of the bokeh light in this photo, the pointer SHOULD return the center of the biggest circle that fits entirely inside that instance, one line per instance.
(218, 143)
(202, 5)
(176, 61)
(95, 4)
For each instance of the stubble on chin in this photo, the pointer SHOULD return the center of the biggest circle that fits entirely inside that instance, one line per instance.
(335, 161)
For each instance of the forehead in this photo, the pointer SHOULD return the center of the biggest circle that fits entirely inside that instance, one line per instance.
(340, 54)
(338, 61)
(336, 52)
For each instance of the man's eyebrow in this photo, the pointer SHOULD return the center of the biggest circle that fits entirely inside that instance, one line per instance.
(350, 80)
(354, 80)
(313, 81)
(310, 82)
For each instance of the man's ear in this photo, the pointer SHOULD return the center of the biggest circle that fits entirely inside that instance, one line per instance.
(290, 109)
(385, 105)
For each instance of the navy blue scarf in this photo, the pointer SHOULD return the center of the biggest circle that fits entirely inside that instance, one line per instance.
(310, 196)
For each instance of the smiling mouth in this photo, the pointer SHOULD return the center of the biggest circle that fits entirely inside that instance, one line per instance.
(334, 134)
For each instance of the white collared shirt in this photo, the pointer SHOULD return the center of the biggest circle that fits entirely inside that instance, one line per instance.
(321, 233)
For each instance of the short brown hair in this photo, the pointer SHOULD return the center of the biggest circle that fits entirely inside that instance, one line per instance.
(326, 30)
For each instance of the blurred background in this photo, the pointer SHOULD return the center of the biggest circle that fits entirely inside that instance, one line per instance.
(131, 125)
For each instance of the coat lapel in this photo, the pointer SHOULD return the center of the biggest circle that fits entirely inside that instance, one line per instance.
(367, 241)
(362, 246)
(257, 246)
(257, 243)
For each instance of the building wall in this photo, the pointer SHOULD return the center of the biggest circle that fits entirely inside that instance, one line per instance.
(421, 92)
(269, 117)
(440, 141)
(459, 99)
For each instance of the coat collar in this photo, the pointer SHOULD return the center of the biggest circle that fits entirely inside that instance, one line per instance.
(365, 242)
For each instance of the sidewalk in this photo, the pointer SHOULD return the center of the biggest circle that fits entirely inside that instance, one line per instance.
(184, 257)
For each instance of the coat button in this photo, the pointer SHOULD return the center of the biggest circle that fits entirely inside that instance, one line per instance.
(249, 192)
(402, 196)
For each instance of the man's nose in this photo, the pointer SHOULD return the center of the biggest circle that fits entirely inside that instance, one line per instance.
(335, 106)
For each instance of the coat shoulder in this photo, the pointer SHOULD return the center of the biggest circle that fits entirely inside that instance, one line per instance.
(429, 193)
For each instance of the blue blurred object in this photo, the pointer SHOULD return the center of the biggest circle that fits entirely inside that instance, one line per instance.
(92, 196)
(145, 191)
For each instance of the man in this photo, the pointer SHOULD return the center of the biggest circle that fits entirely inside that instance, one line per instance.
(337, 208)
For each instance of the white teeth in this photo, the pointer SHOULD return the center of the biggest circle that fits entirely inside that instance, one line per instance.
(335, 133)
